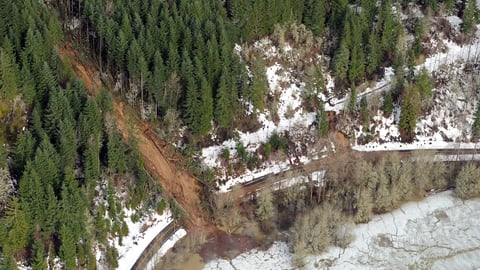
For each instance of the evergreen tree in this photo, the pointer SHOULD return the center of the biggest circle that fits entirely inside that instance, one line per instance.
(410, 111)
(67, 249)
(373, 53)
(322, 119)
(338, 10)
(116, 153)
(259, 84)
(424, 84)
(388, 103)
(15, 232)
(341, 61)
(468, 16)
(476, 122)
(314, 16)
(357, 57)
(39, 258)
(224, 108)
(206, 108)
(24, 150)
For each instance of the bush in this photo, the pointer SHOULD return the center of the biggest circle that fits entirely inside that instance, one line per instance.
(111, 256)
(315, 231)
(241, 151)
(277, 142)
(161, 205)
(467, 184)
(225, 154)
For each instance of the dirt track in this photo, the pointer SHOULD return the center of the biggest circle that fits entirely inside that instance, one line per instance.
(177, 183)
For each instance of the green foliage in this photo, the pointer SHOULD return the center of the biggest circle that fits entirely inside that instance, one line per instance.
(424, 84)
(277, 142)
(224, 109)
(411, 105)
(225, 154)
(259, 84)
(322, 119)
(419, 33)
(161, 205)
(341, 61)
(15, 231)
(468, 16)
(314, 16)
(388, 103)
(67, 249)
(476, 122)
(242, 153)
(352, 102)
(111, 256)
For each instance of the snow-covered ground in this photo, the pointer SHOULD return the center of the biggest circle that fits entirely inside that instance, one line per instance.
(139, 236)
(179, 234)
(440, 232)
(291, 117)
(447, 125)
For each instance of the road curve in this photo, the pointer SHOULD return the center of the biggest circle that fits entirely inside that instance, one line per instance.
(152, 248)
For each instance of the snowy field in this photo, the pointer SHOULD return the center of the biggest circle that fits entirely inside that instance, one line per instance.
(440, 232)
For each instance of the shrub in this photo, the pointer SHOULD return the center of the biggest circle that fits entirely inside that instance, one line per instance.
(467, 184)
(277, 142)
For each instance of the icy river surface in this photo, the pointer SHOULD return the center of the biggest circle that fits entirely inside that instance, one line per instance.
(440, 232)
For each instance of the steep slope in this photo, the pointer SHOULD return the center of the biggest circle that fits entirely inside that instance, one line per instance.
(177, 183)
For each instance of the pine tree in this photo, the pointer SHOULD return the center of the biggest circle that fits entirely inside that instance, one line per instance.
(206, 108)
(39, 258)
(357, 56)
(322, 119)
(15, 231)
(424, 84)
(468, 16)
(8, 76)
(341, 61)
(24, 150)
(338, 10)
(67, 249)
(314, 16)
(259, 84)
(224, 108)
(373, 53)
(116, 153)
(411, 103)
(388, 103)
(476, 122)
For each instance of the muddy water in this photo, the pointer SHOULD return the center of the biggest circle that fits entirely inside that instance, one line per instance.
(194, 262)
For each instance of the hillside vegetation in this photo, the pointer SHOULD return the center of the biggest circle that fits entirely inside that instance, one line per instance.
(199, 74)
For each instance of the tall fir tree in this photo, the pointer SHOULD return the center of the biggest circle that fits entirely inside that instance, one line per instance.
(411, 105)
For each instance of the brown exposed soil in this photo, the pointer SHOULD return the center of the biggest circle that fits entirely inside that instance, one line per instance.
(223, 245)
(176, 182)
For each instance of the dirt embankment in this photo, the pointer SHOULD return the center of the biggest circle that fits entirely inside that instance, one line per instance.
(177, 183)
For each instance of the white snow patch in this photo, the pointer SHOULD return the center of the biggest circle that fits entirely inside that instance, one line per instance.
(139, 236)
(179, 234)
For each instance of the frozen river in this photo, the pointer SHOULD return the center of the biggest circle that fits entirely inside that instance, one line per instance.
(440, 232)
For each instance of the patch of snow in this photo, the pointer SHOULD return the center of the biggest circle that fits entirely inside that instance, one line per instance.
(179, 234)
(455, 22)
(140, 234)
